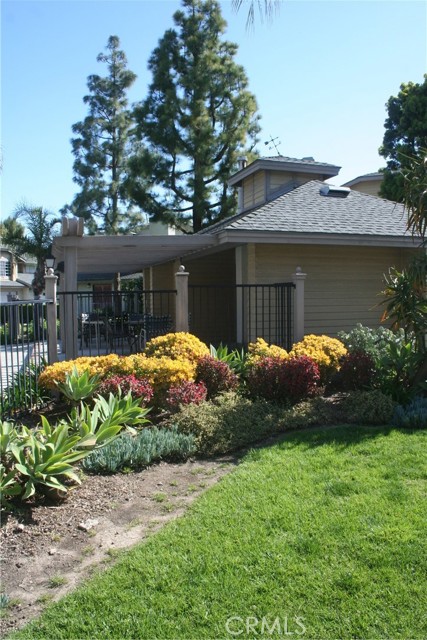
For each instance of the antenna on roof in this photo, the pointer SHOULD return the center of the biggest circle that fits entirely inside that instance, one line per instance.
(272, 142)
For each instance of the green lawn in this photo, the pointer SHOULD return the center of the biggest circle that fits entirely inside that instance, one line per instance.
(320, 536)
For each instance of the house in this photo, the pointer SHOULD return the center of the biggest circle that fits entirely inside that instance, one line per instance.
(16, 276)
(368, 183)
(343, 239)
(242, 270)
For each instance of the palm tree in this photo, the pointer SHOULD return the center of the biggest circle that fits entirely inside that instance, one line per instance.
(30, 230)
(266, 9)
(415, 191)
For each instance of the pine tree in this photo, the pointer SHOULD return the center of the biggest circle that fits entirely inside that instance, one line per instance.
(198, 118)
(101, 149)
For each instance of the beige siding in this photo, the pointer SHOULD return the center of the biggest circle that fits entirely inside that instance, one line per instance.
(371, 187)
(213, 309)
(217, 268)
(161, 277)
(279, 179)
(254, 190)
(343, 283)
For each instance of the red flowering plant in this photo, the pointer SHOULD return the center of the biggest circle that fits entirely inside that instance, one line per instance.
(292, 380)
(139, 387)
(357, 372)
(187, 392)
(216, 375)
(301, 378)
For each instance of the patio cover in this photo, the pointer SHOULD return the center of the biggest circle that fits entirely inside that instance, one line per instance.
(126, 253)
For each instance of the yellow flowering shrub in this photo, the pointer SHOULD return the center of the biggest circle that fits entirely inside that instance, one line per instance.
(96, 365)
(261, 349)
(162, 372)
(325, 351)
(177, 346)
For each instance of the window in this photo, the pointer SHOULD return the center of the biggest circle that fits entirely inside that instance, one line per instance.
(5, 267)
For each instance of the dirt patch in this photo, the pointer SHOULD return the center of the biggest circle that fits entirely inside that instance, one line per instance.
(46, 550)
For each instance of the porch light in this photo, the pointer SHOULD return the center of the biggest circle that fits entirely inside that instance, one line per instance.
(50, 263)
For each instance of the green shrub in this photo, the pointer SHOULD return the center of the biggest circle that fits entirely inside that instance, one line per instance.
(368, 407)
(229, 422)
(371, 341)
(314, 411)
(411, 416)
(137, 452)
(395, 358)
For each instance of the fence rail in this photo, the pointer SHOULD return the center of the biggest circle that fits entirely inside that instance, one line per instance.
(104, 321)
(24, 351)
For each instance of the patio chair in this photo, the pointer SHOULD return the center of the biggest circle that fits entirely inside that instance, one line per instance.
(117, 334)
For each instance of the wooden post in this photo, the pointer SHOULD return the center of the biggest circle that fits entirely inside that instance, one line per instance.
(299, 280)
(70, 309)
(50, 292)
(181, 311)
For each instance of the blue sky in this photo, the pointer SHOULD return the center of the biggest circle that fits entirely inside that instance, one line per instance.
(322, 73)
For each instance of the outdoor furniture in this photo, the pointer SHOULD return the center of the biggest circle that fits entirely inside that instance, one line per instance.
(92, 327)
(117, 333)
(135, 332)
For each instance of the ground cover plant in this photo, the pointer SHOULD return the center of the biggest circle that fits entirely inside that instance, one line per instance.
(322, 532)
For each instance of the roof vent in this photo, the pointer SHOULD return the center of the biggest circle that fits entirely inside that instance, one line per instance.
(308, 159)
(334, 192)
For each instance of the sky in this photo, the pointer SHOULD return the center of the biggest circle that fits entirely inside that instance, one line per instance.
(322, 72)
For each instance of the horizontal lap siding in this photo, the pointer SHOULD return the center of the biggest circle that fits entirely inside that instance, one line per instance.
(343, 283)
(254, 190)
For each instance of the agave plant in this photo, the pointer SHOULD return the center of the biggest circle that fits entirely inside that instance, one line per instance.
(47, 457)
(78, 386)
(101, 423)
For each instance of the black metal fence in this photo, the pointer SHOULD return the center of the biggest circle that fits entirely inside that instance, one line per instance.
(239, 314)
(118, 322)
(23, 355)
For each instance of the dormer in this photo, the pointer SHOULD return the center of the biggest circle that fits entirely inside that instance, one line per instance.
(268, 178)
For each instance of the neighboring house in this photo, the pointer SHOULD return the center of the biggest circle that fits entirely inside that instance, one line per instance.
(16, 276)
(369, 183)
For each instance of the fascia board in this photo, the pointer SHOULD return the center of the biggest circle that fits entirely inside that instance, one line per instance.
(242, 237)
(276, 165)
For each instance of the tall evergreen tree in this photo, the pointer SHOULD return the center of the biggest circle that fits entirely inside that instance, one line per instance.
(101, 149)
(198, 118)
(405, 136)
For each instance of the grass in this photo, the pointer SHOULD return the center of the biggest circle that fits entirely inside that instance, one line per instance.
(56, 581)
(323, 533)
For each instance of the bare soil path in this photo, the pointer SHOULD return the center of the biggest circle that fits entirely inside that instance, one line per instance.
(46, 550)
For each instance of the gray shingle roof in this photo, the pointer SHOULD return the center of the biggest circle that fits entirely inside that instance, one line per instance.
(307, 160)
(304, 210)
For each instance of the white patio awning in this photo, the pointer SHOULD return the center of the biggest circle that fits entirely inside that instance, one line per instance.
(127, 254)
